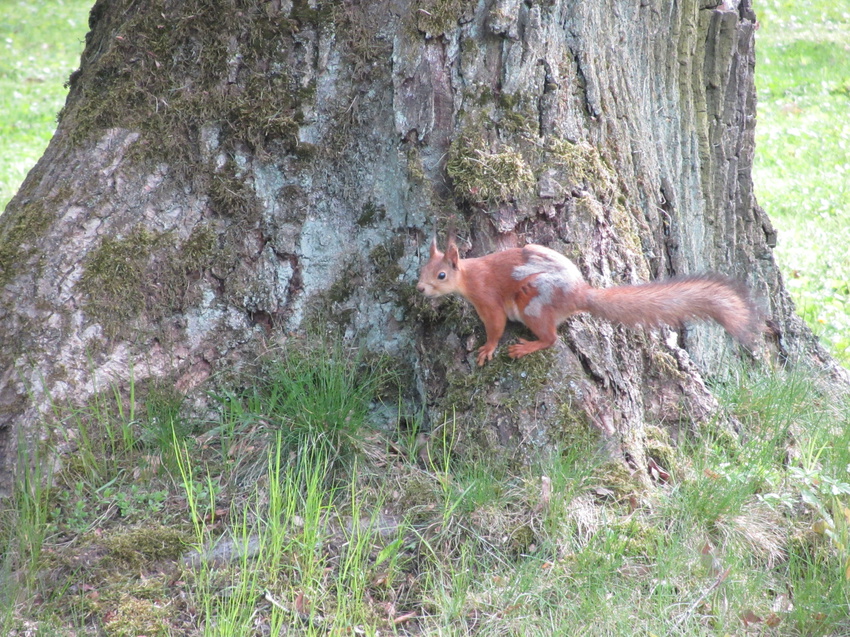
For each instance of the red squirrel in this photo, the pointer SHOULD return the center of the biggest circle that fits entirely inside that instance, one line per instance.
(540, 288)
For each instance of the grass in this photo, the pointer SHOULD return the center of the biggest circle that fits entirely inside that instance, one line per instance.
(802, 166)
(252, 522)
(41, 43)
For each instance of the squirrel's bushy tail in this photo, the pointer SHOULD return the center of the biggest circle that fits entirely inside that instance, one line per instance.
(677, 300)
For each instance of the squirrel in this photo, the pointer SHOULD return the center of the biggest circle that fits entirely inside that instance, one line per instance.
(540, 288)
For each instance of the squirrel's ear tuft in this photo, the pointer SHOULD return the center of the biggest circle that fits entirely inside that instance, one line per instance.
(435, 251)
(451, 234)
(451, 253)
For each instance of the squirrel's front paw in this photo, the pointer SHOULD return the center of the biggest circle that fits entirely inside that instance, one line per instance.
(485, 353)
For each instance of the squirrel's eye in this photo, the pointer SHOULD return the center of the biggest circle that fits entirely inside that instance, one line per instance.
(441, 276)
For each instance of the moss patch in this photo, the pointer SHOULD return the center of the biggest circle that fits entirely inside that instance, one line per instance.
(576, 428)
(371, 214)
(20, 228)
(385, 259)
(144, 547)
(342, 289)
(616, 477)
(231, 197)
(146, 274)
(113, 279)
(358, 29)
(170, 69)
(583, 164)
(120, 576)
(132, 617)
(435, 17)
(480, 175)
(498, 157)
(659, 447)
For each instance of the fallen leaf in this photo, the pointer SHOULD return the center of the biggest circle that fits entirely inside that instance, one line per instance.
(782, 604)
(773, 620)
(401, 619)
(709, 558)
(749, 617)
(635, 571)
(545, 494)
(658, 474)
(302, 605)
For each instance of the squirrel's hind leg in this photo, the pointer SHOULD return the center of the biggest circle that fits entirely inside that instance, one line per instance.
(544, 327)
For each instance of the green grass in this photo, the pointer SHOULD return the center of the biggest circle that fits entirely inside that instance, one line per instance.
(252, 522)
(40, 46)
(316, 395)
(802, 164)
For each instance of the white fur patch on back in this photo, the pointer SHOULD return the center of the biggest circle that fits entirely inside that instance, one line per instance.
(552, 271)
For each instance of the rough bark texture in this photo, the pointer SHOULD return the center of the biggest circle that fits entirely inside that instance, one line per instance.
(227, 172)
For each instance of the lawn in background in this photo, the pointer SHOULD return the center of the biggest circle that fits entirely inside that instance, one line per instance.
(802, 168)
(40, 46)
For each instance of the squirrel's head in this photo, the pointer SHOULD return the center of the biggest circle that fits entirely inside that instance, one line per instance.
(440, 275)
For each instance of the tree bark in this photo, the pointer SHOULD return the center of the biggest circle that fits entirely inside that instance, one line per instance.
(225, 173)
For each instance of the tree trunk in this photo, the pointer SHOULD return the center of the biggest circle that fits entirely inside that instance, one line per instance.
(225, 173)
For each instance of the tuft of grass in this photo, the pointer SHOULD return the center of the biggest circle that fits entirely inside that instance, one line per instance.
(802, 162)
(309, 553)
(319, 397)
(28, 522)
(101, 433)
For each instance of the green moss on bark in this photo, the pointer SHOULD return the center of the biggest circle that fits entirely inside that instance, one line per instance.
(146, 274)
(435, 17)
(20, 229)
(481, 175)
(170, 70)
